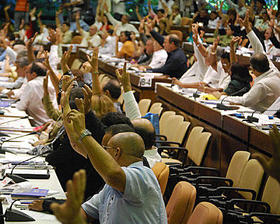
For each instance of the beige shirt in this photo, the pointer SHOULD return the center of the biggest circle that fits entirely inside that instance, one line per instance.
(88, 40)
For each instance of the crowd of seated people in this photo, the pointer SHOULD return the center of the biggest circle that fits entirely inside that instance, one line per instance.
(82, 121)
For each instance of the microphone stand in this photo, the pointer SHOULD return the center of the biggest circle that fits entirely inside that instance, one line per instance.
(16, 215)
(17, 178)
(221, 106)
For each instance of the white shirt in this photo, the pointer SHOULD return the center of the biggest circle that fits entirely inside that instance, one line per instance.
(152, 156)
(158, 59)
(212, 77)
(224, 77)
(266, 86)
(119, 7)
(54, 59)
(213, 23)
(31, 100)
(169, 5)
(192, 74)
(121, 27)
(94, 40)
(109, 46)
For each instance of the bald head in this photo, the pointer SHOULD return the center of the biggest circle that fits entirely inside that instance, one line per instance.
(130, 143)
(259, 63)
(146, 130)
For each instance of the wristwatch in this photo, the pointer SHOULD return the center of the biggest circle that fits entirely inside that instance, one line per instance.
(85, 133)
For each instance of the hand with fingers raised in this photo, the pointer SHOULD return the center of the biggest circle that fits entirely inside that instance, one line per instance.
(70, 211)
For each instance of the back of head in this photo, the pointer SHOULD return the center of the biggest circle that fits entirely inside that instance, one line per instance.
(259, 62)
(119, 128)
(241, 73)
(173, 38)
(38, 68)
(113, 87)
(145, 129)
(130, 143)
(22, 62)
(113, 118)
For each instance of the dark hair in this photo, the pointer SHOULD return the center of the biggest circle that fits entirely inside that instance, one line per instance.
(76, 92)
(127, 35)
(112, 118)
(110, 31)
(22, 62)
(19, 42)
(67, 24)
(225, 55)
(174, 39)
(241, 73)
(161, 10)
(38, 69)
(119, 128)
(259, 62)
(201, 28)
(147, 136)
(113, 86)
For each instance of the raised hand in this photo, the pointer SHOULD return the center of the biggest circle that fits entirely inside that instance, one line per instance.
(69, 212)
(39, 14)
(271, 166)
(245, 22)
(124, 78)
(66, 82)
(65, 58)
(87, 98)
(30, 41)
(93, 60)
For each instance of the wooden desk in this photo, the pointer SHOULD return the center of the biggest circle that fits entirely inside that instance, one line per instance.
(229, 134)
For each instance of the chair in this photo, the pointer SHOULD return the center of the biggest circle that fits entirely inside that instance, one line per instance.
(156, 110)
(161, 172)
(251, 177)
(198, 148)
(206, 213)
(178, 33)
(236, 166)
(163, 120)
(271, 195)
(155, 105)
(144, 105)
(181, 203)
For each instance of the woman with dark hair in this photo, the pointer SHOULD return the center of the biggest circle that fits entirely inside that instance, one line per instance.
(127, 49)
(240, 80)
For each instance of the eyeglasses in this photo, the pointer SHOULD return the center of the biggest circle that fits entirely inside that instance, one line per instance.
(107, 147)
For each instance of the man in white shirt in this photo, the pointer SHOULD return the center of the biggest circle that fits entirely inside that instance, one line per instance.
(122, 25)
(31, 98)
(266, 86)
(91, 38)
(118, 8)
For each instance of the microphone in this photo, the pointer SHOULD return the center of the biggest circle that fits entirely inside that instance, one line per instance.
(252, 119)
(16, 215)
(196, 95)
(17, 178)
(221, 106)
(5, 122)
(11, 139)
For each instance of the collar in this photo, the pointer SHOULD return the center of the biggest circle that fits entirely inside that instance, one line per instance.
(136, 164)
(263, 75)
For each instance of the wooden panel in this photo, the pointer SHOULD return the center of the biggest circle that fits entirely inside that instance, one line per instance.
(236, 128)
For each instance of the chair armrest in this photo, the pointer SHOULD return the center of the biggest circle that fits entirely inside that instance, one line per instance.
(231, 189)
(266, 216)
(161, 148)
(202, 168)
(263, 204)
(161, 136)
(213, 178)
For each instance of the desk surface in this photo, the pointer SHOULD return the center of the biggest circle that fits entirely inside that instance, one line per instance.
(229, 133)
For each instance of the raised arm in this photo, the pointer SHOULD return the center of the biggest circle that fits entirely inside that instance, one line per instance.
(30, 52)
(233, 58)
(131, 107)
(57, 21)
(96, 88)
(79, 28)
(102, 161)
(7, 17)
(139, 17)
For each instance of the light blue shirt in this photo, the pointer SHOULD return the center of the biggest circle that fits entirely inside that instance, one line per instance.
(141, 201)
